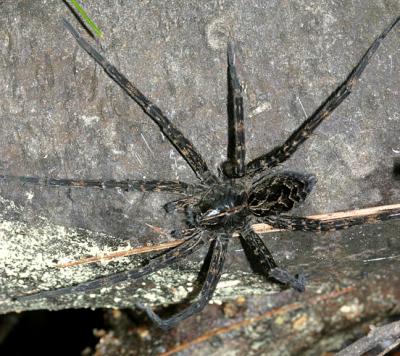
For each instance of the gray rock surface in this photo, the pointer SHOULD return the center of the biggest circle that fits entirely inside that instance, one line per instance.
(61, 116)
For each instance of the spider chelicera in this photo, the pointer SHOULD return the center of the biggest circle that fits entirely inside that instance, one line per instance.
(242, 194)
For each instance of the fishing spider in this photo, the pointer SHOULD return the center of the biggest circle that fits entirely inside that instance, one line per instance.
(242, 194)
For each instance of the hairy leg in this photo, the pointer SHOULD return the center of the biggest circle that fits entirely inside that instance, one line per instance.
(281, 153)
(180, 205)
(181, 143)
(219, 247)
(235, 165)
(267, 262)
(190, 245)
(297, 223)
(127, 185)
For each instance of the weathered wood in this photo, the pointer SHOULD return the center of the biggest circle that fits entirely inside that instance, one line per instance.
(62, 117)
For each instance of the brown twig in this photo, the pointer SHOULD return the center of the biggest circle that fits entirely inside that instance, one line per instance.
(246, 322)
(117, 254)
(259, 228)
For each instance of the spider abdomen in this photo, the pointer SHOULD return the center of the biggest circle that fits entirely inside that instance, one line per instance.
(279, 192)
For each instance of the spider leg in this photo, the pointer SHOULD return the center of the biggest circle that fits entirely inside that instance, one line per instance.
(281, 153)
(266, 261)
(180, 142)
(127, 185)
(235, 166)
(190, 245)
(179, 205)
(297, 223)
(219, 247)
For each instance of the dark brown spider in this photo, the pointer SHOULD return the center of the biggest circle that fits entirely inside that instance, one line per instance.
(219, 206)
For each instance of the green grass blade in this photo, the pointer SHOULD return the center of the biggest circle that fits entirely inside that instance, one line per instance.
(87, 19)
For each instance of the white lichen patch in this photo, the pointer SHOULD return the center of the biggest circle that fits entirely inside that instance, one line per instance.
(29, 195)
(89, 120)
(264, 106)
(217, 32)
(29, 255)
(227, 284)
(353, 310)
(30, 258)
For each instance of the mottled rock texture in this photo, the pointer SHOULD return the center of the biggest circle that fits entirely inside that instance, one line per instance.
(61, 116)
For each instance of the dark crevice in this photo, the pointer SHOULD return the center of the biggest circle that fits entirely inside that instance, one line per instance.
(66, 332)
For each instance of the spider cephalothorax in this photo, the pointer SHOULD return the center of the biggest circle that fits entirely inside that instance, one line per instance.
(223, 204)
(226, 204)
(219, 206)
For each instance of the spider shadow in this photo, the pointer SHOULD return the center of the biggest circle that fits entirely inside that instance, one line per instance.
(257, 268)
(396, 168)
(171, 309)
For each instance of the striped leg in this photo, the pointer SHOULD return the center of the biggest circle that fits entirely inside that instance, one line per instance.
(297, 223)
(161, 261)
(219, 247)
(235, 167)
(180, 142)
(282, 153)
(266, 261)
(127, 185)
